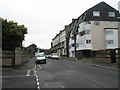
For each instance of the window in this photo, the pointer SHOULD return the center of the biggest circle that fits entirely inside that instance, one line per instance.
(73, 53)
(77, 45)
(73, 37)
(96, 23)
(87, 22)
(69, 47)
(112, 24)
(87, 32)
(88, 41)
(110, 41)
(78, 36)
(111, 14)
(109, 32)
(96, 13)
(73, 45)
(40, 55)
(82, 33)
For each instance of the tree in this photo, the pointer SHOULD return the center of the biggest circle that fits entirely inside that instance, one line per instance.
(12, 35)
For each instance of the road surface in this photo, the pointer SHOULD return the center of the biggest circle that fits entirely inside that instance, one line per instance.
(61, 74)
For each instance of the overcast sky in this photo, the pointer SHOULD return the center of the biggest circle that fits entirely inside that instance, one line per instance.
(45, 18)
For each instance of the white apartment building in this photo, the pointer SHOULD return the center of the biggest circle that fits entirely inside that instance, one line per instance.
(59, 43)
(97, 30)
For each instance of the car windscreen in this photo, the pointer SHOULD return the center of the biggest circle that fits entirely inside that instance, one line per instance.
(54, 54)
(40, 55)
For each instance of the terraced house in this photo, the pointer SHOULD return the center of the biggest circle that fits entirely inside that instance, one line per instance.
(94, 31)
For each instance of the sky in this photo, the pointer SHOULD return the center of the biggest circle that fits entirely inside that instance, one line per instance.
(45, 18)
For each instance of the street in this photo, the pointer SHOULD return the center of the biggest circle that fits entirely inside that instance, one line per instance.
(61, 74)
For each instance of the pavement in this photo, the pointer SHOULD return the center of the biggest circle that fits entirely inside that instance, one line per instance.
(100, 64)
(109, 65)
(20, 76)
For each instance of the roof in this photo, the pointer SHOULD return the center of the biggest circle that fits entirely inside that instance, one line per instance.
(103, 8)
(58, 34)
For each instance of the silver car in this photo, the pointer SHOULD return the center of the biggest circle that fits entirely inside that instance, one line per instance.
(40, 58)
(55, 56)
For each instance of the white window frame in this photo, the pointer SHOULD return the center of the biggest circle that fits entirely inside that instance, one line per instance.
(87, 32)
(112, 24)
(110, 42)
(109, 32)
(111, 14)
(77, 45)
(96, 13)
(96, 23)
(88, 41)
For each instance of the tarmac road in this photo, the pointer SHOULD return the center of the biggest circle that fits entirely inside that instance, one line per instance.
(76, 74)
(61, 74)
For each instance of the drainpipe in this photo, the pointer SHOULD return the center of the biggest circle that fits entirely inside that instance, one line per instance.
(59, 45)
(75, 43)
(67, 45)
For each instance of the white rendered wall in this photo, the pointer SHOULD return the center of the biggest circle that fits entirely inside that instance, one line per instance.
(113, 37)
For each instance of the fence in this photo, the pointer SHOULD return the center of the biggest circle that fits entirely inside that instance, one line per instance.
(8, 58)
(14, 58)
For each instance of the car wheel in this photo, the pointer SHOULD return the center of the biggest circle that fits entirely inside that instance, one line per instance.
(44, 62)
(36, 62)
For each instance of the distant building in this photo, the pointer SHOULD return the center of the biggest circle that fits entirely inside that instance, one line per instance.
(32, 49)
(59, 43)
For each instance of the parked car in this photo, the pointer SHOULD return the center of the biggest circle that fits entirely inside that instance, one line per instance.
(40, 58)
(48, 56)
(55, 56)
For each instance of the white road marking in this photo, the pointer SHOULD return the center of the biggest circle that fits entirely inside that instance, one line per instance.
(38, 87)
(34, 67)
(38, 83)
(39, 66)
(35, 73)
(28, 73)
(37, 79)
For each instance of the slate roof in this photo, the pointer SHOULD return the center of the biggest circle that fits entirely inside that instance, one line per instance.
(103, 8)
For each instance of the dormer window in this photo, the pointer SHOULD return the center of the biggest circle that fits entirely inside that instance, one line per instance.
(96, 13)
(111, 14)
